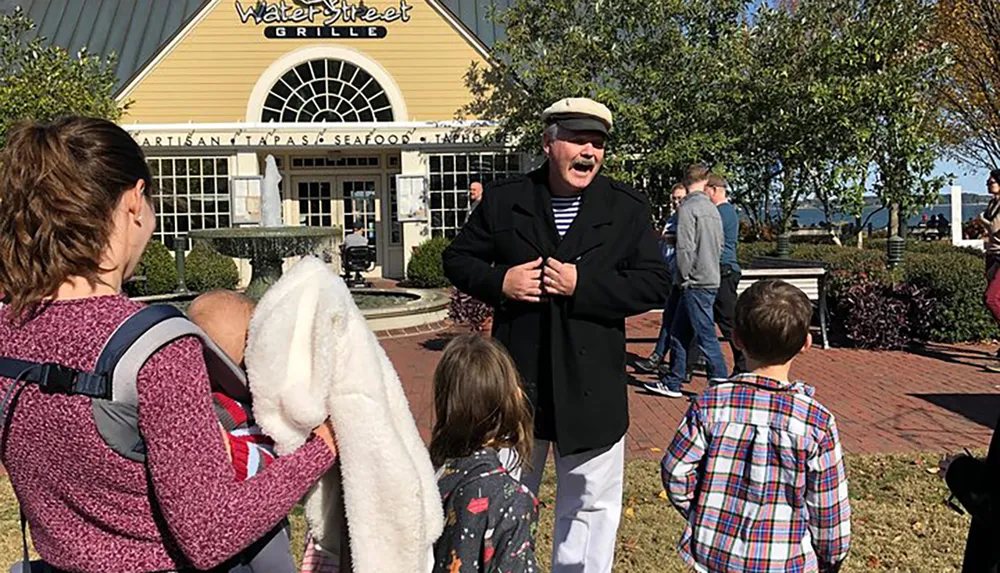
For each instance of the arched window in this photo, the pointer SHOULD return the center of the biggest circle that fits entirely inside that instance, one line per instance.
(326, 91)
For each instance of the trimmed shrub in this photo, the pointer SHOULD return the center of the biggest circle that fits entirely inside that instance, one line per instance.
(836, 258)
(469, 310)
(914, 246)
(206, 269)
(746, 251)
(426, 269)
(156, 272)
(957, 283)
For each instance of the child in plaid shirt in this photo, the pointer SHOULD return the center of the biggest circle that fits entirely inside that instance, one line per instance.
(755, 467)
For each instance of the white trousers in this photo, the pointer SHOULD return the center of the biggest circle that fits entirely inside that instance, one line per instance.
(589, 489)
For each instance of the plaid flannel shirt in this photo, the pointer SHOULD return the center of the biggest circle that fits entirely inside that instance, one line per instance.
(755, 468)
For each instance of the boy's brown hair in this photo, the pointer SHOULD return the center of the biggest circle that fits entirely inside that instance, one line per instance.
(772, 321)
(478, 401)
(695, 174)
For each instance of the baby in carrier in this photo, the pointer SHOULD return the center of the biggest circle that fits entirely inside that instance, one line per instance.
(225, 317)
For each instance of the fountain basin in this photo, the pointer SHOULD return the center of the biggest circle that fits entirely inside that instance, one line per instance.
(283, 242)
(267, 248)
(383, 309)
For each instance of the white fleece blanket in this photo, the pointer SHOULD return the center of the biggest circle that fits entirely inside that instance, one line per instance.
(311, 355)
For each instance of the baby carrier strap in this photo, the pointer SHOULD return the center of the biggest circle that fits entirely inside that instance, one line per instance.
(112, 384)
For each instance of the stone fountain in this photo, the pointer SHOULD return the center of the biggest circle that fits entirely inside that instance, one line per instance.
(270, 244)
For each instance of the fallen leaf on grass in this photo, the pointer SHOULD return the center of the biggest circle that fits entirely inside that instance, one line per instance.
(663, 494)
(629, 512)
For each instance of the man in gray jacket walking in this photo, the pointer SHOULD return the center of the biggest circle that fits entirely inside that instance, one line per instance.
(699, 246)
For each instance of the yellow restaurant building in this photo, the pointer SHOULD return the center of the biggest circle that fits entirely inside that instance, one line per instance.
(356, 101)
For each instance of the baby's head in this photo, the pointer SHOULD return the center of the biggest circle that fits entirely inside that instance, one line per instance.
(225, 317)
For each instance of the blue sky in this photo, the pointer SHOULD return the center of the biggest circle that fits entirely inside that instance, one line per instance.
(971, 180)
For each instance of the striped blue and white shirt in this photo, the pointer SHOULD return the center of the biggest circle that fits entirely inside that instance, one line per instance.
(564, 210)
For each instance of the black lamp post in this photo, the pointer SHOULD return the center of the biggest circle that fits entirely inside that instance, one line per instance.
(180, 246)
(784, 244)
(896, 247)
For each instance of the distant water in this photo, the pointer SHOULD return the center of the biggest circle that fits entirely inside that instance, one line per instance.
(812, 216)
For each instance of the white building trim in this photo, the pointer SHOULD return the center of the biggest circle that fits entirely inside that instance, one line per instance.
(166, 50)
(333, 135)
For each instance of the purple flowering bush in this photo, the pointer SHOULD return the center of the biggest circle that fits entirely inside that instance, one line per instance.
(469, 311)
(877, 314)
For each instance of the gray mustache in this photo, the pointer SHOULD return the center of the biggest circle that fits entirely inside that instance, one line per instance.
(585, 162)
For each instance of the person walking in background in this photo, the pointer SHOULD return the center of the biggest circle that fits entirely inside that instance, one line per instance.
(756, 467)
(564, 255)
(668, 243)
(475, 194)
(699, 250)
(991, 218)
(729, 273)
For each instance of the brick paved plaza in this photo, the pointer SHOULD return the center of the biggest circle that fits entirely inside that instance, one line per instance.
(938, 400)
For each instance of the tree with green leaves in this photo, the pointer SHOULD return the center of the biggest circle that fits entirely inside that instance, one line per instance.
(654, 64)
(838, 104)
(831, 99)
(43, 82)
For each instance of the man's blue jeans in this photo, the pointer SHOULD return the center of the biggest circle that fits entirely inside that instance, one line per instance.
(669, 310)
(694, 319)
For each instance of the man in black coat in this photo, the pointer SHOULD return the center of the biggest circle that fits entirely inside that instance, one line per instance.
(564, 255)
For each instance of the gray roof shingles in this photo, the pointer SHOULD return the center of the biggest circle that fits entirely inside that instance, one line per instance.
(136, 30)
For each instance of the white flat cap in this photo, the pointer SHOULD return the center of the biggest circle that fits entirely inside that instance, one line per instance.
(579, 114)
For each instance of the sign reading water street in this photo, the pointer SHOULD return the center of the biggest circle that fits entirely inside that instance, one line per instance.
(328, 18)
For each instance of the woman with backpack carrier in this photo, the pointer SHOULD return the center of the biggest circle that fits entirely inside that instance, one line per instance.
(76, 215)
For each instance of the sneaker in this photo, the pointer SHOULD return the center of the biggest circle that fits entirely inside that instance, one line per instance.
(995, 368)
(669, 390)
(649, 365)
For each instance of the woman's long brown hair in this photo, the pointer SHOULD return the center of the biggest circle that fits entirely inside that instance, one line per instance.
(60, 183)
(478, 401)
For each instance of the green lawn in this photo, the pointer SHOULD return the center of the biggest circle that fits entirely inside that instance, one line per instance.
(900, 521)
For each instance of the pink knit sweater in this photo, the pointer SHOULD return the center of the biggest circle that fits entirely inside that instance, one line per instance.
(88, 508)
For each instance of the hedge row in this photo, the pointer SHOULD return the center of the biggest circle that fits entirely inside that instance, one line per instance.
(426, 269)
(944, 285)
(204, 269)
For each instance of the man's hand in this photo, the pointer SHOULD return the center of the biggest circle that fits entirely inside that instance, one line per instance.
(560, 278)
(524, 282)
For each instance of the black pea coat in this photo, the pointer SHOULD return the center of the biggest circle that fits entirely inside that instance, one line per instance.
(570, 351)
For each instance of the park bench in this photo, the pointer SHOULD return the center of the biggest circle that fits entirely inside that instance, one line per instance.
(808, 276)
